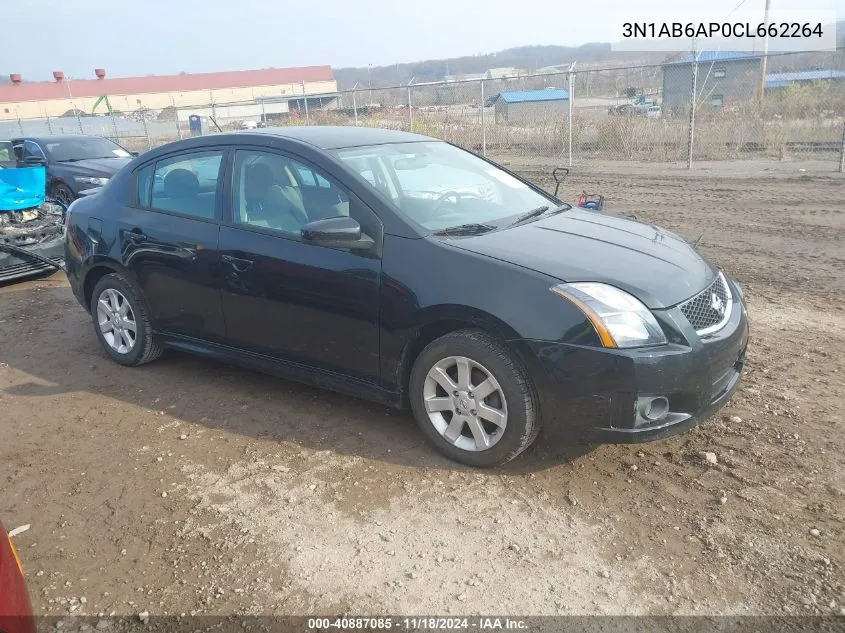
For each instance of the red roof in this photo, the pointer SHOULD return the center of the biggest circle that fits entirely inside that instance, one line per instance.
(46, 90)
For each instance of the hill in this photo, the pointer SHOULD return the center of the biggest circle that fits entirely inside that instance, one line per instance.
(523, 57)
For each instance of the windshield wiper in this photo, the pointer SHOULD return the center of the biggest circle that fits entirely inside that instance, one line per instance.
(534, 213)
(70, 160)
(471, 228)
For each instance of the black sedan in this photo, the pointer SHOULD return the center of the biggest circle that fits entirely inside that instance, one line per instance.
(402, 269)
(74, 162)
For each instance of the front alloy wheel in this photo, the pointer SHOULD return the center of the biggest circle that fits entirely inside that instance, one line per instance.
(465, 403)
(473, 399)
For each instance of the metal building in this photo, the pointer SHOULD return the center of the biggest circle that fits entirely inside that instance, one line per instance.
(804, 77)
(530, 105)
(723, 77)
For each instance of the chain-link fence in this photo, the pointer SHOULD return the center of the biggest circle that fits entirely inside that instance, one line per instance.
(700, 106)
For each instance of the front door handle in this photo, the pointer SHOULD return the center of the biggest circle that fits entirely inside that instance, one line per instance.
(239, 265)
(136, 236)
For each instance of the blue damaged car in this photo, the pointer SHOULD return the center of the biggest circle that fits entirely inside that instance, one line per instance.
(31, 228)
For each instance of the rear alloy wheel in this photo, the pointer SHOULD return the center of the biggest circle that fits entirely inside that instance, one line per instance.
(117, 321)
(121, 321)
(473, 399)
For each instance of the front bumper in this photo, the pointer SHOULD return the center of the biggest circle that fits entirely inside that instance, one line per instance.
(593, 393)
(14, 266)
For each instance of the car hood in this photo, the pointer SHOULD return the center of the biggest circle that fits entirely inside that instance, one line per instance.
(654, 265)
(96, 167)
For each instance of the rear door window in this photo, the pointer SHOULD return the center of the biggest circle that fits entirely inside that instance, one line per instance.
(186, 184)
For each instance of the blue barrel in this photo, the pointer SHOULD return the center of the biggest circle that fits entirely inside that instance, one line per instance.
(195, 122)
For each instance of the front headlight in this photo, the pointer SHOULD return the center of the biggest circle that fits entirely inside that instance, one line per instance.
(88, 180)
(619, 319)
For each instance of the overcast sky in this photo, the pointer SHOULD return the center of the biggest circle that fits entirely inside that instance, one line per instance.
(170, 36)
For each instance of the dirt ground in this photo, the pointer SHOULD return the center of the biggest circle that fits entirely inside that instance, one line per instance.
(187, 486)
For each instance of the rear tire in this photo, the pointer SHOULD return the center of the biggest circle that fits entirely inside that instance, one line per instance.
(122, 323)
(473, 400)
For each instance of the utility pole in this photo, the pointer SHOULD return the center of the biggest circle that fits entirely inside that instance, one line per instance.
(692, 102)
(765, 50)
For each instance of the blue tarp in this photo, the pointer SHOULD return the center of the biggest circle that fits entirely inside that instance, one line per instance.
(22, 188)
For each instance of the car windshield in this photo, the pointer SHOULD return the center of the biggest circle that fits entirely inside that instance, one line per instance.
(6, 153)
(71, 149)
(440, 186)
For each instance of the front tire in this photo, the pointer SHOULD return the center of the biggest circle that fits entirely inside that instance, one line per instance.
(122, 323)
(473, 400)
(61, 192)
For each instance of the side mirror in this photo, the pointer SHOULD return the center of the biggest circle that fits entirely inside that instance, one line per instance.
(339, 232)
(34, 161)
(134, 153)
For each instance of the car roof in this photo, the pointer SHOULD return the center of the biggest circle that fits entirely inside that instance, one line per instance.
(338, 136)
(54, 137)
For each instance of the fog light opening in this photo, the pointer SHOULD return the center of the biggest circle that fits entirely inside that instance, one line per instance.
(654, 409)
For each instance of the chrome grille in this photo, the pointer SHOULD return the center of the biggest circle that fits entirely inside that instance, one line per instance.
(710, 309)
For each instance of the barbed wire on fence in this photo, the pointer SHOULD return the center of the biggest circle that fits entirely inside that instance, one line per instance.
(638, 112)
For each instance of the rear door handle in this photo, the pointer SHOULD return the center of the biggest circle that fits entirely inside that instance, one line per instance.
(238, 264)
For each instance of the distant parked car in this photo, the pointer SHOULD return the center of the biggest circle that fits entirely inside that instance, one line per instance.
(74, 162)
(632, 109)
(403, 269)
(15, 607)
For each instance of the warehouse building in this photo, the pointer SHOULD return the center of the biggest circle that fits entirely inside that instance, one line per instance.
(529, 105)
(256, 93)
(804, 77)
(723, 77)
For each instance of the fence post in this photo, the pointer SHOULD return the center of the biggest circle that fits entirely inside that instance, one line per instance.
(410, 111)
(571, 83)
(483, 127)
(114, 124)
(305, 101)
(355, 105)
(146, 131)
(73, 105)
(842, 152)
(693, 99)
(176, 117)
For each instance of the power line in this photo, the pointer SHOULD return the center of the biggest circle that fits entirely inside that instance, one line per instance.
(735, 9)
